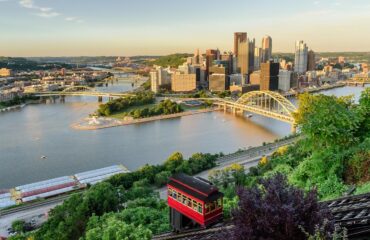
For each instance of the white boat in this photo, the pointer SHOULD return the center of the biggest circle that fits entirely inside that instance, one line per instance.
(43, 157)
(249, 115)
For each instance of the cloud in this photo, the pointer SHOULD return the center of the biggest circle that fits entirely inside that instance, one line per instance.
(74, 19)
(45, 12)
(27, 4)
(70, 18)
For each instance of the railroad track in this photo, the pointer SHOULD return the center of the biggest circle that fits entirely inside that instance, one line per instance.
(208, 233)
(352, 213)
(33, 205)
(256, 151)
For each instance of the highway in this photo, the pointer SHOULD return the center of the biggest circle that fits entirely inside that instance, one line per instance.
(248, 158)
(39, 211)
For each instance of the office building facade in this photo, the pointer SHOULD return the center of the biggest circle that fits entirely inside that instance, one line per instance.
(301, 57)
(241, 52)
(266, 48)
(218, 82)
(181, 82)
(311, 62)
(284, 80)
(269, 80)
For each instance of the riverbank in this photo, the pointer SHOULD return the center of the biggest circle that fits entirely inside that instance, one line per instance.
(17, 106)
(315, 90)
(104, 122)
(6, 109)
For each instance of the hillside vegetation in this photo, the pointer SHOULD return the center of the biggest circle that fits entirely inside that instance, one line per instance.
(173, 60)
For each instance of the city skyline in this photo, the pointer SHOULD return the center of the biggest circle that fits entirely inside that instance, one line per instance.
(44, 28)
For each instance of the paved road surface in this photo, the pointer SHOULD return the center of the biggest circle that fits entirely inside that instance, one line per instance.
(248, 158)
(39, 214)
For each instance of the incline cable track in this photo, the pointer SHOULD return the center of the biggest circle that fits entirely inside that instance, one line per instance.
(351, 212)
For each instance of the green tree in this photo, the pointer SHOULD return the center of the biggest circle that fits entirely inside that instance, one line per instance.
(19, 226)
(175, 160)
(109, 227)
(327, 120)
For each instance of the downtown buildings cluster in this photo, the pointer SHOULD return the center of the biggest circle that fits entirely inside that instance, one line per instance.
(250, 67)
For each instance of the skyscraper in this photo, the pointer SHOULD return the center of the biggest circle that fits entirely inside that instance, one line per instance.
(311, 64)
(196, 59)
(257, 58)
(251, 46)
(211, 55)
(266, 48)
(301, 57)
(241, 52)
(269, 79)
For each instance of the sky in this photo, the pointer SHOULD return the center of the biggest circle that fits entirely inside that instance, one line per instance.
(159, 27)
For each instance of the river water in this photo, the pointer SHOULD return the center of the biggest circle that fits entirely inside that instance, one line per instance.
(44, 129)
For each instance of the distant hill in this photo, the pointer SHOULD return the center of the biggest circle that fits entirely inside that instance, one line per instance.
(23, 64)
(173, 60)
(359, 57)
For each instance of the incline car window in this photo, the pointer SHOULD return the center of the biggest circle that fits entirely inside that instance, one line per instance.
(193, 204)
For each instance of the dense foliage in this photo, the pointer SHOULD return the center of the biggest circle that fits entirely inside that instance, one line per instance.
(158, 174)
(163, 108)
(276, 210)
(173, 60)
(122, 104)
(124, 207)
(333, 152)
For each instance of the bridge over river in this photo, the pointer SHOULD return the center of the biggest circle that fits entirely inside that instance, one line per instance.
(266, 103)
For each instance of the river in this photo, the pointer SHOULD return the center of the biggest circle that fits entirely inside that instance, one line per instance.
(44, 129)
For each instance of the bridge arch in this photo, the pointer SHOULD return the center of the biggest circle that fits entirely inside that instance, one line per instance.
(268, 100)
(78, 88)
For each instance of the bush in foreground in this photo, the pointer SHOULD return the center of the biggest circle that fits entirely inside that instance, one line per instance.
(277, 210)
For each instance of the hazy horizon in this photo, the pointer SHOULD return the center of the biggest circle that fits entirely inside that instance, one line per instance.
(41, 28)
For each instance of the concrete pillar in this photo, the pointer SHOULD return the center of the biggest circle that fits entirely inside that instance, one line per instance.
(234, 110)
(225, 107)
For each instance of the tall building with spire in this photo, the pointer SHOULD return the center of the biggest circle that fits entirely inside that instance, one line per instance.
(241, 52)
(301, 57)
(266, 48)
